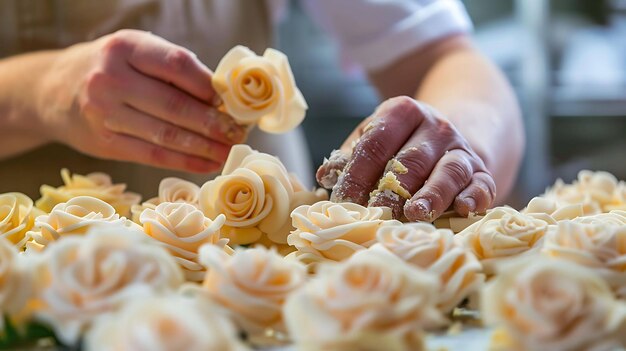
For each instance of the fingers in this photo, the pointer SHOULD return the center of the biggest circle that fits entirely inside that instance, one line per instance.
(413, 164)
(391, 127)
(125, 148)
(165, 61)
(329, 172)
(450, 176)
(174, 106)
(137, 124)
(477, 197)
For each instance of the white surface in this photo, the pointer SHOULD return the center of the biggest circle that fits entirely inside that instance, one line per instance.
(376, 33)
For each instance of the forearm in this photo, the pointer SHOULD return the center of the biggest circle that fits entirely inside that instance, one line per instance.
(21, 126)
(468, 90)
(475, 96)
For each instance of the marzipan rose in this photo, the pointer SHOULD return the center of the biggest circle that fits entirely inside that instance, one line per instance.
(504, 233)
(252, 285)
(76, 216)
(83, 277)
(256, 194)
(435, 251)
(98, 185)
(334, 231)
(170, 190)
(547, 304)
(172, 323)
(259, 89)
(15, 281)
(182, 228)
(551, 207)
(372, 301)
(597, 191)
(600, 246)
(17, 216)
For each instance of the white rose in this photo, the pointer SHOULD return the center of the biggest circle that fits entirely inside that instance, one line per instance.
(595, 190)
(81, 277)
(600, 246)
(504, 233)
(252, 285)
(15, 281)
(545, 304)
(259, 89)
(170, 190)
(182, 228)
(435, 251)
(17, 216)
(372, 301)
(98, 185)
(334, 231)
(171, 323)
(552, 208)
(76, 216)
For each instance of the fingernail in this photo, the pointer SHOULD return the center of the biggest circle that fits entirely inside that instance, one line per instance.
(470, 204)
(423, 205)
(419, 209)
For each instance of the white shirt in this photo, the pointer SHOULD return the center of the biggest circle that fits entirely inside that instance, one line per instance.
(376, 33)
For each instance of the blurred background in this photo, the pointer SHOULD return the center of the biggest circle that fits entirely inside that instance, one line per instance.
(565, 58)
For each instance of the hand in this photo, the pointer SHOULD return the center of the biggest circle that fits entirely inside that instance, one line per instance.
(434, 165)
(133, 96)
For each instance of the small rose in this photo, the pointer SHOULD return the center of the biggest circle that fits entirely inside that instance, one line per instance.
(82, 277)
(504, 233)
(73, 217)
(551, 207)
(599, 245)
(98, 185)
(256, 194)
(334, 231)
(372, 301)
(170, 190)
(170, 323)
(596, 191)
(434, 250)
(17, 216)
(15, 281)
(252, 285)
(545, 304)
(182, 228)
(260, 89)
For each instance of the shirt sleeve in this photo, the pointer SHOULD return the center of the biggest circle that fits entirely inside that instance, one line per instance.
(376, 33)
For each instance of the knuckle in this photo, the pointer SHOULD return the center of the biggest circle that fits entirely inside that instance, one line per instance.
(445, 129)
(177, 104)
(178, 60)
(406, 107)
(373, 150)
(459, 170)
(97, 82)
(117, 44)
(167, 135)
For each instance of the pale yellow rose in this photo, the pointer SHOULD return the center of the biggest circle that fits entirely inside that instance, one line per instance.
(172, 323)
(504, 233)
(17, 216)
(544, 304)
(252, 285)
(182, 228)
(551, 207)
(171, 189)
(596, 191)
(259, 89)
(15, 281)
(256, 194)
(372, 301)
(98, 185)
(74, 217)
(82, 277)
(334, 231)
(434, 250)
(600, 246)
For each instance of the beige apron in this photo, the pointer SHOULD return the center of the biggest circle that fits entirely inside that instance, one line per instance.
(207, 27)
